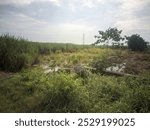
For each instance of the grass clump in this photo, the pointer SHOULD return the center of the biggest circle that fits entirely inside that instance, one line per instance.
(16, 53)
(65, 94)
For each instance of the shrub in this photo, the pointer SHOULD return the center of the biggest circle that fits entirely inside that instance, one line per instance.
(138, 95)
(100, 64)
(105, 93)
(139, 100)
(136, 43)
(64, 93)
(114, 94)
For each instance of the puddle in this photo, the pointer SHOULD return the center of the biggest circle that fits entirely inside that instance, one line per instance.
(48, 69)
(45, 67)
(117, 67)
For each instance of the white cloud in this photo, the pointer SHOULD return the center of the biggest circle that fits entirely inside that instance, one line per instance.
(69, 32)
(129, 7)
(134, 4)
(101, 14)
(134, 24)
(127, 25)
(21, 23)
(75, 5)
(90, 3)
(39, 30)
(24, 2)
(128, 19)
(87, 3)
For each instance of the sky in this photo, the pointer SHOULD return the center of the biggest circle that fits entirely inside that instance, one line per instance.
(65, 21)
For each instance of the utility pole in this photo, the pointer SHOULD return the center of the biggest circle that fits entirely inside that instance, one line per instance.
(83, 39)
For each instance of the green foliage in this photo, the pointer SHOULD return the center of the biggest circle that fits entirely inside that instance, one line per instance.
(101, 62)
(139, 100)
(111, 34)
(65, 94)
(34, 91)
(59, 92)
(31, 90)
(106, 93)
(138, 95)
(49, 48)
(16, 53)
(136, 43)
(112, 94)
(100, 65)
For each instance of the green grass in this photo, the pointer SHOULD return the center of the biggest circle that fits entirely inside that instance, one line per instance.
(34, 91)
(31, 90)
(18, 53)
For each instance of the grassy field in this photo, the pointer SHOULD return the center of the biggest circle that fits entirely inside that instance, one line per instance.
(73, 88)
(18, 53)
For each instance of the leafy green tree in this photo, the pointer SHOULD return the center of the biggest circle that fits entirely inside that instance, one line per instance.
(136, 43)
(111, 35)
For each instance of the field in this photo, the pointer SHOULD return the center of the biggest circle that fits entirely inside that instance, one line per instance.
(43, 77)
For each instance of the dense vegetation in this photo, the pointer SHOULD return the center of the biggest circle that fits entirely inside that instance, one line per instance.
(81, 90)
(34, 91)
(111, 35)
(136, 43)
(18, 53)
(113, 38)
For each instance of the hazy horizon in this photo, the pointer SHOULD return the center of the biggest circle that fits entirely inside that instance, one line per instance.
(65, 21)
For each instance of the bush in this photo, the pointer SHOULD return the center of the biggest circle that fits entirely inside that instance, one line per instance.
(100, 64)
(105, 92)
(115, 94)
(63, 93)
(139, 100)
(136, 43)
(34, 91)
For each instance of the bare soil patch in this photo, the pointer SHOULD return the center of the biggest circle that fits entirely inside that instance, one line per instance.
(136, 63)
(5, 75)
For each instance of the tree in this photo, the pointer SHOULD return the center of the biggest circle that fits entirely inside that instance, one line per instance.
(111, 35)
(136, 43)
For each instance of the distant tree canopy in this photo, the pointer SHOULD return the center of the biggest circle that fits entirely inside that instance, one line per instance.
(111, 35)
(136, 43)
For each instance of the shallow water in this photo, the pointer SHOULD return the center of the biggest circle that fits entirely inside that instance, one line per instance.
(117, 67)
(48, 69)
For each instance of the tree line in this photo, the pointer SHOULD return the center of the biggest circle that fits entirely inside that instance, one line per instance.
(113, 37)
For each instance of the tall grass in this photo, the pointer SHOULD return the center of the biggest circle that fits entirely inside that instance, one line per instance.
(33, 91)
(48, 48)
(16, 53)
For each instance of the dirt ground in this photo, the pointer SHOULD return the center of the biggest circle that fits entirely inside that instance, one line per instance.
(5, 75)
(136, 63)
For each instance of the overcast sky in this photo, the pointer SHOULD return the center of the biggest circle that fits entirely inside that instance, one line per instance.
(67, 20)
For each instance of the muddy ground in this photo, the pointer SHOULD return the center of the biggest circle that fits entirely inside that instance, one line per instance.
(136, 63)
